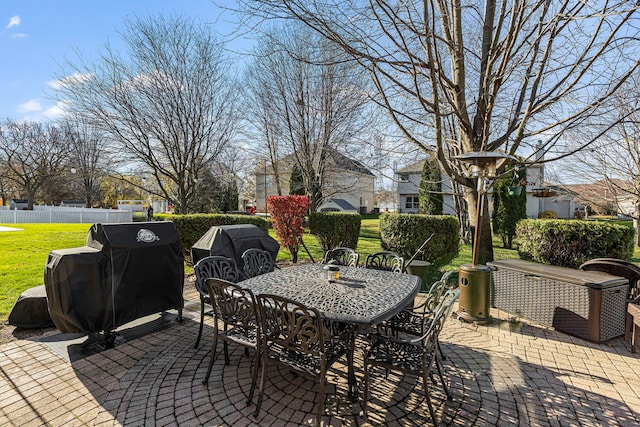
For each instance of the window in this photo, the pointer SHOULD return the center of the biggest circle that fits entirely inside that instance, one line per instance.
(412, 202)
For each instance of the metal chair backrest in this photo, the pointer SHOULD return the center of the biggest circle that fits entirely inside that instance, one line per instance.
(431, 299)
(218, 267)
(617, 267)
(233, 305)
(257, 262)
(342, 256)
(291, 325)
(436, 322)
(385, 260)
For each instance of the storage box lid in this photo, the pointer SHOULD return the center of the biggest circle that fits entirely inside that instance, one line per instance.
(592, 279)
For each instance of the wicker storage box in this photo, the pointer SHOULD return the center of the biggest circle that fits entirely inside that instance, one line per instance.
(588, 304)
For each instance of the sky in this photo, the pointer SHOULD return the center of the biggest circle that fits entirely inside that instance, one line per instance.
(37, 37)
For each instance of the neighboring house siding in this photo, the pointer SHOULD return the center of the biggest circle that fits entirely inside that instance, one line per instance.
(354, 186)
(408, 190)
(409, 181)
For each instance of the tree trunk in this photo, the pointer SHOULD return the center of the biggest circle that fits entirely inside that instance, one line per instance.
(294, 253)
(484, 245)
(636, 221)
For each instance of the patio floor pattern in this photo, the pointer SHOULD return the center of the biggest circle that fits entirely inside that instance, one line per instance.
(508, 373)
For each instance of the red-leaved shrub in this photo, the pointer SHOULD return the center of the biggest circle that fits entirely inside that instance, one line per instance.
(287, 217)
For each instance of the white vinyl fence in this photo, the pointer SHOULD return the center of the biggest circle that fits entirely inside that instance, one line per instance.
(65, 215)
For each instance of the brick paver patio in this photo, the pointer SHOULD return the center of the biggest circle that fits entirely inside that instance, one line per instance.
(504, 374)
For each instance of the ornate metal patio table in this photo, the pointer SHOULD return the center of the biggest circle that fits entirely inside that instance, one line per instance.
(361, 296)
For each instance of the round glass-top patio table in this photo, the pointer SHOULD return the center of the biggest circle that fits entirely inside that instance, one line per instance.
(361, 296)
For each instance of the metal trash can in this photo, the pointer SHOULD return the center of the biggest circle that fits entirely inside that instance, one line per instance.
(474, 281)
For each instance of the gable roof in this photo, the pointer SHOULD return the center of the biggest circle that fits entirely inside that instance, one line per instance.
(415, 167)
(340, 160)
(347, 163)
(343, 204)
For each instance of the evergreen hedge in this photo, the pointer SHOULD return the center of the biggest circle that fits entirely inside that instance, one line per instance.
(404, 234)
(192, 227)
(335, 229)
(569, 243)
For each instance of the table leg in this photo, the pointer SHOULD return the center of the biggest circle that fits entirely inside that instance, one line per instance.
(352, 382)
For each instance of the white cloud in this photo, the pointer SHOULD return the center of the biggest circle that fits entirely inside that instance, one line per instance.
(19, 35)
(14, 21)
(56, 111)
(30, 106)
(74, 78)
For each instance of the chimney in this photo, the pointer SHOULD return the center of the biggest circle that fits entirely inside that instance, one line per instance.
(539, 155)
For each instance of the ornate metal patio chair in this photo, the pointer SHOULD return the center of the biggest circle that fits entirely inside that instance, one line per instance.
(218, 267)
(385, 260)
(295, 336)
(342, 256)
(617, 267)
(257, 262)
(412, 319)
(414, 355)
(234, 308)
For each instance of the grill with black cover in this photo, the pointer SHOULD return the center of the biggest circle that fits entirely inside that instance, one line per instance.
(231, 241)
(125, 271)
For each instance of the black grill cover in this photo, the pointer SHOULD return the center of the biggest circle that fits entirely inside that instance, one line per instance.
(31, 311)
(231, 241)
(126, 271)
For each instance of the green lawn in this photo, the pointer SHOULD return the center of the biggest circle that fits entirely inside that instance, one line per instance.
(23, 254)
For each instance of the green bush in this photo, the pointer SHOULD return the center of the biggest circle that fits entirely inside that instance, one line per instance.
(405, 234)
(548, 215)
(569, 243)
(335, 229)
(192, 227)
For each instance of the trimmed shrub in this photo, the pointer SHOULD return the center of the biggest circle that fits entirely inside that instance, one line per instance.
(569, 243)
(335, 229)
(192, 227)
(405, 234)
(287, 217)
(548, 215)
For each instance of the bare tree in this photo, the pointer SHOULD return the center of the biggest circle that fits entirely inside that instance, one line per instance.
(169, 104)
(7, 187)
(462, 76)
(89, 158)
(308, 101)
(612, 163)
(33, 153)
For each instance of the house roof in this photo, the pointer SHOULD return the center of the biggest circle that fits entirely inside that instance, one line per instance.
(413, 167)
(343, 204)
(602, 191)
(347, 163)
(340, 160)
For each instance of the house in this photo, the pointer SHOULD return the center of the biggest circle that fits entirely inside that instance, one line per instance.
(409, 184)
(604, 197)
(346, 179)
(543, 197)
(540, 197)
